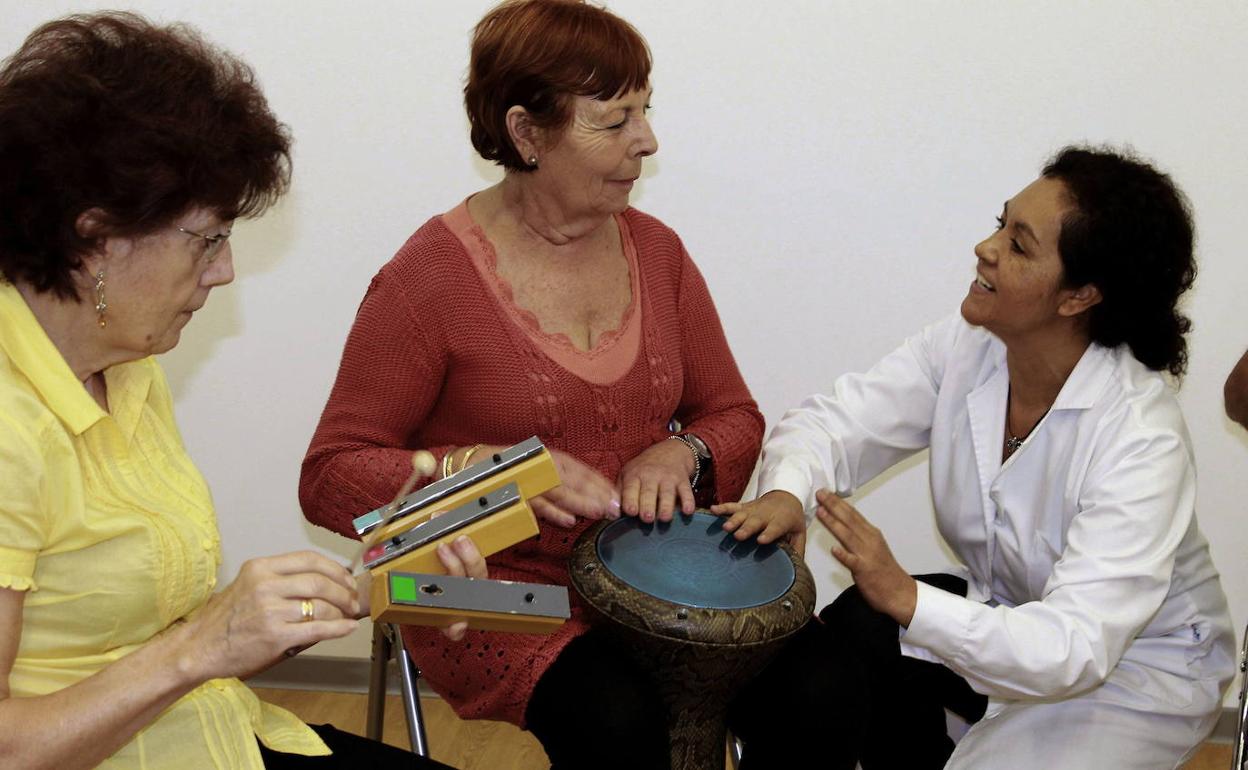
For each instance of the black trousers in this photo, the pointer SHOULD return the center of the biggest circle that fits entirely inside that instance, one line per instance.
(593, 708)
(350, 752)
(842, 689)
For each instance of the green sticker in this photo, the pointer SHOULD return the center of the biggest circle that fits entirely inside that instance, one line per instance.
(402, 588)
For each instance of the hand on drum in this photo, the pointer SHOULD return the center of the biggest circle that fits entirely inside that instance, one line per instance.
(775, 515)
(582, 491)
(276, 604)
(654, 482)
(865, 553)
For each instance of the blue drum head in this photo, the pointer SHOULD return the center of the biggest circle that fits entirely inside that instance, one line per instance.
(693, 561)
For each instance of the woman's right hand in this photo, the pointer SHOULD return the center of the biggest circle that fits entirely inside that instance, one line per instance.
(252, 623)
(582, 492)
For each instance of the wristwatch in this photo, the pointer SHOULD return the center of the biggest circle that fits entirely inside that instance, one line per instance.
(699, 446)
(701, 454)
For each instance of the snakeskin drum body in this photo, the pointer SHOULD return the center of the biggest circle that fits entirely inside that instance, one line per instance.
(701, 612)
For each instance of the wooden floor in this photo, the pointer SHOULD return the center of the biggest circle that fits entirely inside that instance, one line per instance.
(469, 745)
(483, 745)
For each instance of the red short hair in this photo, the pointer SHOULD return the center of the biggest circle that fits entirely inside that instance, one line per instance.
(538, 54)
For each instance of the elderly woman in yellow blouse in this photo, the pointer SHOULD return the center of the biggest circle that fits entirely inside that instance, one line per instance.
(126, 152)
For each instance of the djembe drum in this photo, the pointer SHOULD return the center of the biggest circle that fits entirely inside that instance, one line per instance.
(700, 611)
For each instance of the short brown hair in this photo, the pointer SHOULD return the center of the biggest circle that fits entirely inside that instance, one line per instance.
(143, 122)
(538, 54)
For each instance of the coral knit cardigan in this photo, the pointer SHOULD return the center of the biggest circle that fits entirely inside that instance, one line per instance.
(439, 357)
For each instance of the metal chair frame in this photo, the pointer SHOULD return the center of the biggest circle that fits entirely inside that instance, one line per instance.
(388, 643)
(735, 750)
(1241, 727)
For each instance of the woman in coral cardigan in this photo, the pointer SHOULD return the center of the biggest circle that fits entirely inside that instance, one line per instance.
(544, 306)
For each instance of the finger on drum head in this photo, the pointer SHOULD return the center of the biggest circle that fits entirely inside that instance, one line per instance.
(667, 502)
(747, 529)
(770, 533)
(628, 496)
(687, 502)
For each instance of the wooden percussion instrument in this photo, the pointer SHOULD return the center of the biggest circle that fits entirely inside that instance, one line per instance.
(488, 502)
(700, 612)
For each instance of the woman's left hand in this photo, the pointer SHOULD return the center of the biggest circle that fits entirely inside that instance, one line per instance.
(461, 558)
(656, 481)
(865, 553)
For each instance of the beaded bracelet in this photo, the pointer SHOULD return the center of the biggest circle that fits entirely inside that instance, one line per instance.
(697, 458)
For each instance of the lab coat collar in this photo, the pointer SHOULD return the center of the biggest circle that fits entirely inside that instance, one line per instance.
(1081, 390)
(1087, 380)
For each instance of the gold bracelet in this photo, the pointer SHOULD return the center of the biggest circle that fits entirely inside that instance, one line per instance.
(446, 462)
(468, 455)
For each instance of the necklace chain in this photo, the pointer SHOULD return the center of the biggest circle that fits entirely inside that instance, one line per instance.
(1012, 442)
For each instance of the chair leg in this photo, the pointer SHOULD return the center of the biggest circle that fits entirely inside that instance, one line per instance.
(1241, 729)
(735, 749)
(409, 677)
(376, 718)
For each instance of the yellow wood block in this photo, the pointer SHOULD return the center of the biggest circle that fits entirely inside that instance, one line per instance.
(477, 621)
(491, 534)
(534, 476)
(383, 609)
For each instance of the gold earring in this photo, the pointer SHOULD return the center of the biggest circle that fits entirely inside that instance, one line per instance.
(100, 304)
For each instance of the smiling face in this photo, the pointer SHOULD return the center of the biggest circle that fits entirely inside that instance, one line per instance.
(153, 283)
(1019, 279)
(590, 167)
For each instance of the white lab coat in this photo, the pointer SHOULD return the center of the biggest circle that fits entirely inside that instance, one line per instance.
(1089, 580)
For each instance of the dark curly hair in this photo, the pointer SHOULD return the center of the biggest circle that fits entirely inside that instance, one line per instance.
(538, 54)
(1131, 235)
(109, 111)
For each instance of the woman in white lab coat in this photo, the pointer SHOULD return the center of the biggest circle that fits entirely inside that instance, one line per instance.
(1090, 630)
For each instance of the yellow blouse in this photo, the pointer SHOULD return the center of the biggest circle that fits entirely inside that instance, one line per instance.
(109, 526)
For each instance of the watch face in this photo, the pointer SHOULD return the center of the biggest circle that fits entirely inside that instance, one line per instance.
(698, 444)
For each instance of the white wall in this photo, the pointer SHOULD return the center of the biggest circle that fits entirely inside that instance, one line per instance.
(829, 164)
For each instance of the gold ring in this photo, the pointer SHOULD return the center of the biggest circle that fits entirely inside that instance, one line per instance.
(307, 610)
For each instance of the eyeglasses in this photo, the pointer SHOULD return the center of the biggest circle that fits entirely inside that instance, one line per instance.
(215, 242)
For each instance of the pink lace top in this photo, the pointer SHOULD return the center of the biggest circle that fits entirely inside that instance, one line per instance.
(616, 350)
